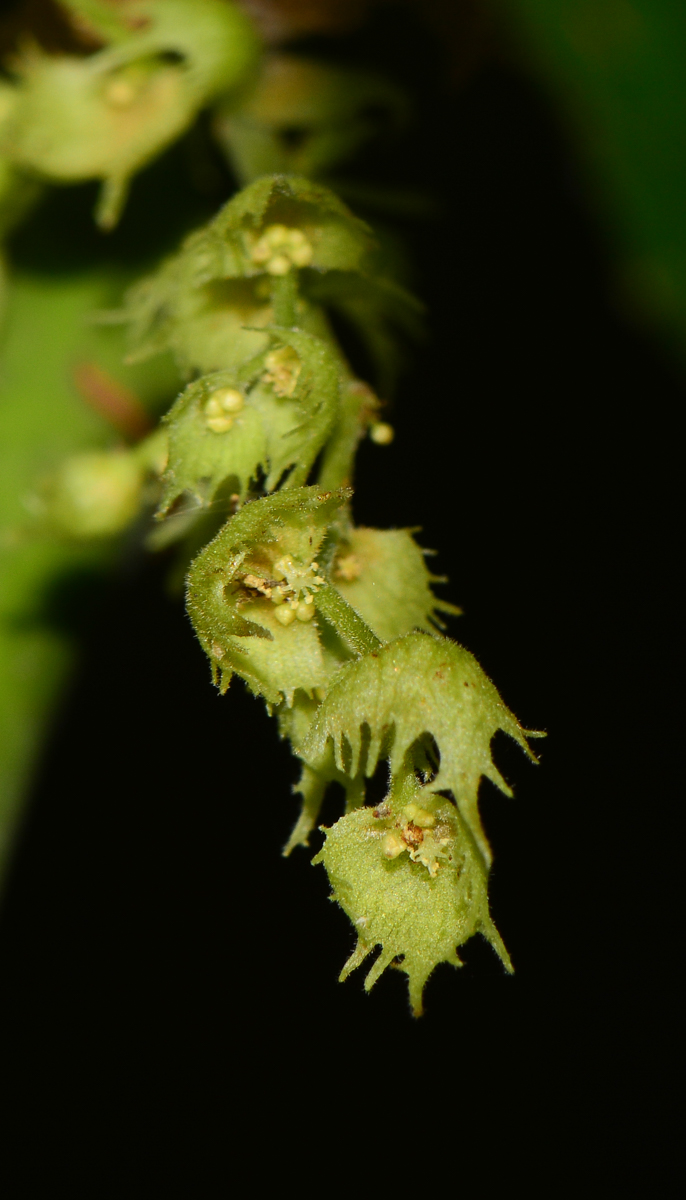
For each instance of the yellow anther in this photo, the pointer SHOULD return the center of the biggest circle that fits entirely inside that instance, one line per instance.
(221, 408)
(277, 596)
(275, 236)
(283, 368)
(219, 424)
(228, 400)
(299, 248)
(305, 610)
(419, 816)
(382, 434)
(285, 615)
(281, 248)
(279, 265)
(121, 93)
(393, 844)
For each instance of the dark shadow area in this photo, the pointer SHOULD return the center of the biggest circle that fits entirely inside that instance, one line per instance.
(150, 915)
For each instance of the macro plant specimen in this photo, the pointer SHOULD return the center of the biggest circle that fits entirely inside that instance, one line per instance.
(335, 626)
(250, 472)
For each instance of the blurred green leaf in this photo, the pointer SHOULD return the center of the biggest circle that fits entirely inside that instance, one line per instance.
(43, 419)
(619, 69)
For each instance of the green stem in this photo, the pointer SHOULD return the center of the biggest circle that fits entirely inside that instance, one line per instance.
(284, 297)
(348, 624)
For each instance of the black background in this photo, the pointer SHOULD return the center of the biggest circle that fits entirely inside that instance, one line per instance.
(158, 955)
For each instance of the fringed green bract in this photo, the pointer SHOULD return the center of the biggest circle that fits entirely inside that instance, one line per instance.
(269, 431)
(397, 904)
(382, 574)
(208, 302)
(413, 686)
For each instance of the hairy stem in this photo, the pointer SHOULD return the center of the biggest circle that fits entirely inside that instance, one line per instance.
(284, 297)
(348, 624)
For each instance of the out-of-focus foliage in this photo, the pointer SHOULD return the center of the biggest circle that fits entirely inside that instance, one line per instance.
(44, 421)
(205, 302)
(104, 115)
(305, 118)
(209, 303)
(618, 69)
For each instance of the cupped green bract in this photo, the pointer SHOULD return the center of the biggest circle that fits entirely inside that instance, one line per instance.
(208, 302)
(339, 240)
(236, 625)
(413, 686)
(95, 494)
(383, 575)
(216, 326)
(397, 904)
(271, 432)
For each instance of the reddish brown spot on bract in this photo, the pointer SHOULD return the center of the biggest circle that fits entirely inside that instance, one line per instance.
(412, 835)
